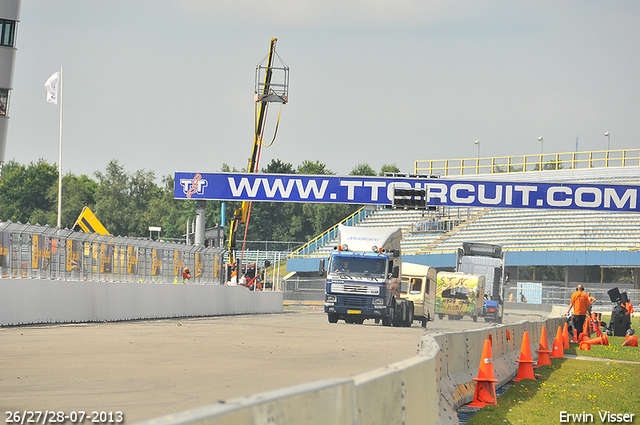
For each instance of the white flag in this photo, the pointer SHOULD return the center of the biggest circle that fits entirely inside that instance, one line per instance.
(52, 88)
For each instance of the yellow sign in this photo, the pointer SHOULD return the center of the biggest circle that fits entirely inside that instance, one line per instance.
(88, 222)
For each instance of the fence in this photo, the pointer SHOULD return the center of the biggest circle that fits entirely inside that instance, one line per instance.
(557, 293)
(272, 279)
(33, 251)
(523, 163)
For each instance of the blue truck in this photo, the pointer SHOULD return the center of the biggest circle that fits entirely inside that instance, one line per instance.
(364, 278)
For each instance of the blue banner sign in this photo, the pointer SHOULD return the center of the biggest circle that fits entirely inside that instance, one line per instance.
(380, 190)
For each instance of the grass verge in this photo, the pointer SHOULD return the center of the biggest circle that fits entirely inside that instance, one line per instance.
(568, 385)
(591, 388)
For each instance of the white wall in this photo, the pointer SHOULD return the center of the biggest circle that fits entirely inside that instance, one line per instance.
(26, 301)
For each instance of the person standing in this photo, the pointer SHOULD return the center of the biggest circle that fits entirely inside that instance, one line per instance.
(629, 307)
(579, 303)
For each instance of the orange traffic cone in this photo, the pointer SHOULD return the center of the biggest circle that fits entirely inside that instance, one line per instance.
(565, 336)
(557, 351)
(630, 341)
(583, 336)
(600, 340)
(575, 335)
(584, 346)
(543, 351)
(525, 367)
(596, 328)
(485, 382)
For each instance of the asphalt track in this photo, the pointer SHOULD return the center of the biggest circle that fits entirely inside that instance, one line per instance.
(156, 367)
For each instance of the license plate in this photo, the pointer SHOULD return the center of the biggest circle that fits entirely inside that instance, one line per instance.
(354, 312)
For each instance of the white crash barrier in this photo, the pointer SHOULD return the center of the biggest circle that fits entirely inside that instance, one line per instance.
(425, 389)
(30, 301)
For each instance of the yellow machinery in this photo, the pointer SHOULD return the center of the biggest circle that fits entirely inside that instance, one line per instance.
(267, 90)
(89, 223)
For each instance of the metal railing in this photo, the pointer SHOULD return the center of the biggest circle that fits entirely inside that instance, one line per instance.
(559, 293)
(522, 163)
(33, 251)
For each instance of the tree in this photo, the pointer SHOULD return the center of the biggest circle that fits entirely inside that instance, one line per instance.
(24, 190)
(77, 193)
(308, 167)
(362, 170)
(168, 213)
(270, 221)
(389, 168)
(122, 199)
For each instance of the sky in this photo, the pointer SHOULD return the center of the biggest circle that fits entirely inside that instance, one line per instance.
(168, 85)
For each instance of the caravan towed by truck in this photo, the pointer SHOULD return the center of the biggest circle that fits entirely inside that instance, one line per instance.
(419, 287)
(364, 276)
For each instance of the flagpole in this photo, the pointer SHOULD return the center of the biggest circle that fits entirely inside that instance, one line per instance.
(60, 160)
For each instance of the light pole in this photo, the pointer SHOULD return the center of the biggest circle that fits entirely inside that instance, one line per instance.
(541, 145)
(608, 136)
(477, 143)
(541, 150)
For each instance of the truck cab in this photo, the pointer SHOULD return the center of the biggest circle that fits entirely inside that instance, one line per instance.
(364, 275)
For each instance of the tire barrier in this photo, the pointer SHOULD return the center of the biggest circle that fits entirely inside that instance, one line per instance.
(424, 389)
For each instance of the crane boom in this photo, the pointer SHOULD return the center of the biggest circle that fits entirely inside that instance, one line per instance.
(240, 215)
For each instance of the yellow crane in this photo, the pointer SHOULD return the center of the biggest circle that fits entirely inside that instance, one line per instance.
(267, 90)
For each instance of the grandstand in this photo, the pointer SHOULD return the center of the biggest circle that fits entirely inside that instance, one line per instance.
(614, 236)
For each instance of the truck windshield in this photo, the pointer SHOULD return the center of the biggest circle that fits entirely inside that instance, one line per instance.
(358, 266)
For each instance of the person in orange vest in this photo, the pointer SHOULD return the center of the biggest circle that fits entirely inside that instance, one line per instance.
(579, 303)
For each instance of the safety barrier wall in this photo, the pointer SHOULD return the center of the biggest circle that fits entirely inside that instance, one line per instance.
(425, 389)
(27, 301)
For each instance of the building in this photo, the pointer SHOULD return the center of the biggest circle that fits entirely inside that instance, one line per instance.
(9, 17)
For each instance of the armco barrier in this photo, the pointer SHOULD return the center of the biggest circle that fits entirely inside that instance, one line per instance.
(29, 301)
(425, 389)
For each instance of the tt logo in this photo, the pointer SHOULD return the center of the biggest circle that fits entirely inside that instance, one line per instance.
(195, 185)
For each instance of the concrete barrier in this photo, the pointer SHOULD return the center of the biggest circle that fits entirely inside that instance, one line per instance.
(30, 301)
(425, 389)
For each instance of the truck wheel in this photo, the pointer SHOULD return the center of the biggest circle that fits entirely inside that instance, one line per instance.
(440, 316)
(387, 320)
(424, 322)
(409, 320)
(333, 318)
(400, 313)
(475, 318)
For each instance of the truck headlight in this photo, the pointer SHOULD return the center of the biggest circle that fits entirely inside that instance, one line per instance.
(331, 298)
(378, 301)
